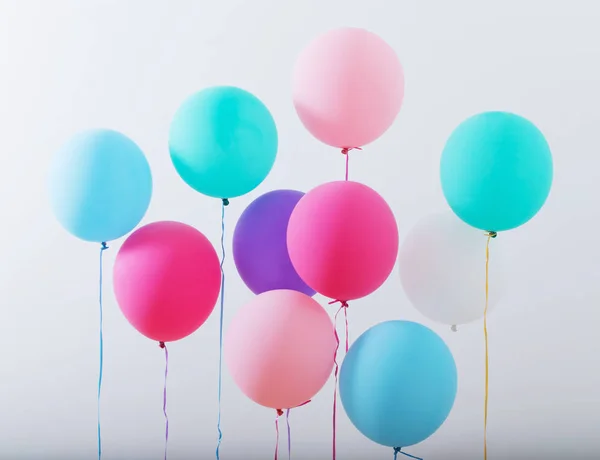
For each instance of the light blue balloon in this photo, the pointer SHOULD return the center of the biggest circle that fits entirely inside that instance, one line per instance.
(100, 185)
(398, 383)
(223, 142)
(496, 171)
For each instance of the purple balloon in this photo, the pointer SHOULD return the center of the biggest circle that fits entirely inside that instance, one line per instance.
(260, 244)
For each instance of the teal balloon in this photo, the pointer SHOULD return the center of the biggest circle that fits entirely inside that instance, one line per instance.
(100, 185)
(398, 383)
(223, 142)
(496, 171)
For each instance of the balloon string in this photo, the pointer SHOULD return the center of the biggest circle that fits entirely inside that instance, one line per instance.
(279, 414)
(346, 151)
(103, 247)
(489, 235)
(225, 202)
(344, 306)
(162, 345)
(289, 432)
(398, 450)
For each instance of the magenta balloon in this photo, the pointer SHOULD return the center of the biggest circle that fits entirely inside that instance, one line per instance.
(348, 87)
(167, 280)
(260, 247)
(279, 348)
(343, 240)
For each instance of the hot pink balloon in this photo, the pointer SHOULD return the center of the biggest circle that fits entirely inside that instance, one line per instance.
(348, 86)
(343, 240)
(167, 280)
(279, 348)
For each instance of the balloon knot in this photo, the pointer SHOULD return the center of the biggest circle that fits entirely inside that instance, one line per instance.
(491, 234)
(397, 450)
(346, 150)
(161, 344)
(343, 303)
(104, 246)
(279, 412)
(225, 202)
(453, 328)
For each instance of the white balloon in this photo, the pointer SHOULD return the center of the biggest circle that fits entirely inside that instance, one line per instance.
(442, 268)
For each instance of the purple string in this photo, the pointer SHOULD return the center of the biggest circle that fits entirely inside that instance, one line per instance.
(103, 247)
(398, 450)
(289, 433)
(162, 345)
(224, 203)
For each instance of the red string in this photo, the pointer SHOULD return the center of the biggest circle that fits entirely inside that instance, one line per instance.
(343, 306)
(345, 151)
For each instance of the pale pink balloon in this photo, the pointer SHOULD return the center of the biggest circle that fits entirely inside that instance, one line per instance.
(279, 348)
(348, 86)
(343, 240)
(166, 280)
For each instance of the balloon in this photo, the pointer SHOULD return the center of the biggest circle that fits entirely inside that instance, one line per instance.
(167, 280)
(223, 142)
(343, 240)
(279, 348)
(100, 185)
(442, 268)
(260, 247)
(398, 383)
(496, 171)
(348, 87)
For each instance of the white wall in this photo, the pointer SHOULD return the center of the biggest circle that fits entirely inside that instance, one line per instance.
(127, 64)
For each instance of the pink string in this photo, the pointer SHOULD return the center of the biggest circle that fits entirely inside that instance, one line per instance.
(279, 414)
(345, 151)
(162, 345)
(344, 306)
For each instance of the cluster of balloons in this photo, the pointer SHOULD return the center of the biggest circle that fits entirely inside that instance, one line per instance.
(398, 381)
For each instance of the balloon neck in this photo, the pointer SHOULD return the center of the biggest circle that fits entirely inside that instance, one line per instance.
(279, 412)
(454, 328)
(491, 234)
(225, 202)
(161, 344)
(346, 150)
(103, 246)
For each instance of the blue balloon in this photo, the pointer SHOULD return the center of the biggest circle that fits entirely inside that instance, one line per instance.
(496, 171)
(398, 383)
(100, 185)
(223, 142)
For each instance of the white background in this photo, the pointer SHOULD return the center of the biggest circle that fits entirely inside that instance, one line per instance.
(128, 64)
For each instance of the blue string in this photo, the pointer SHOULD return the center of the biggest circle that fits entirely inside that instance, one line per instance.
(398, 450)
(103, 248)
(224, 203)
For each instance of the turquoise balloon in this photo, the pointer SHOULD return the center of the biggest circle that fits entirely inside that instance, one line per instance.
(223, 142)
(100, 185)
(496, 171)
(398, 383)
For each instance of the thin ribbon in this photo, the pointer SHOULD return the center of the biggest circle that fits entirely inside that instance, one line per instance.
(343, 306)
(398, 450)
(279, 414)
(164, 346)
(346, 151)
(103, 247)
(225, 202)
(489, 235)
(289, 432)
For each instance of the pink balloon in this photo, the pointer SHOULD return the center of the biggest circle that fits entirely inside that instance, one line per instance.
(167, 280)
(348, 86)
(343, 240)
(279, 348)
